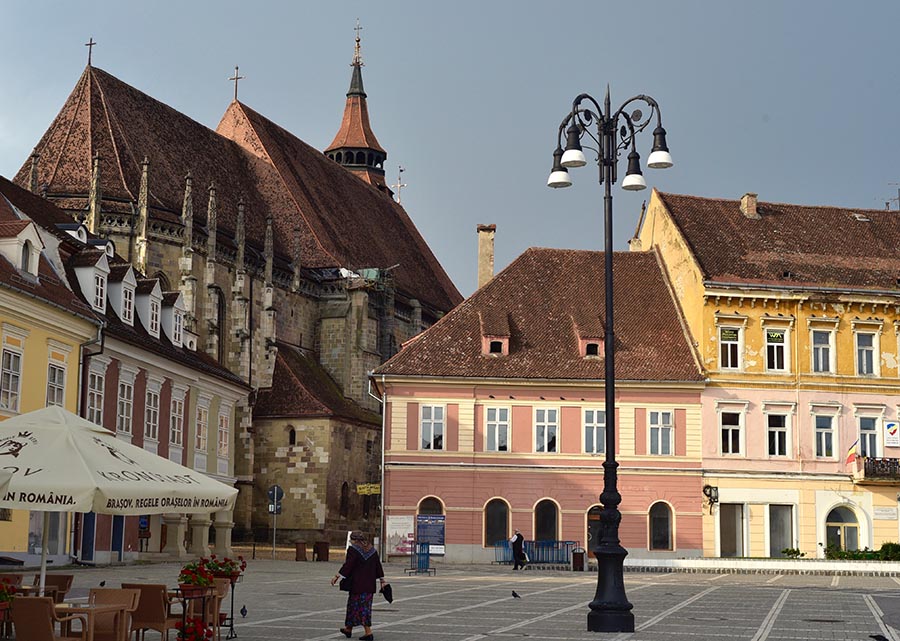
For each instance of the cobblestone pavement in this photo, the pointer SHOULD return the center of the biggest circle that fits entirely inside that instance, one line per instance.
(288, 600)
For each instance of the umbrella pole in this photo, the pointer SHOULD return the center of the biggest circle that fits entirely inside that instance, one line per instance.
(45, 538)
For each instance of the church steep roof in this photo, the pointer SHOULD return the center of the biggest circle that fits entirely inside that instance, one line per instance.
(342, 221)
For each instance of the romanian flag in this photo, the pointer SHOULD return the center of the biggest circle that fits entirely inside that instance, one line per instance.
(851, 453)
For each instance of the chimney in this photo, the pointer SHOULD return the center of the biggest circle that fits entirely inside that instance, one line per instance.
(485, 253)
(748, 206)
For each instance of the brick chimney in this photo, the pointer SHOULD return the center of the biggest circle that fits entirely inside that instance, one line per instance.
(748, 206)
(485, 253)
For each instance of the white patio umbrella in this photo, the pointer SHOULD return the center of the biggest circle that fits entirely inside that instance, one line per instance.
(60, 462)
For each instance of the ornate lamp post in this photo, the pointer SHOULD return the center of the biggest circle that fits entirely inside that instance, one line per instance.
(613, 132)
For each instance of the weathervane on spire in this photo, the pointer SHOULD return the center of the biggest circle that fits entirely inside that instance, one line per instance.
(357, 57)
(90, 45)
(236, 78)
(400, 184)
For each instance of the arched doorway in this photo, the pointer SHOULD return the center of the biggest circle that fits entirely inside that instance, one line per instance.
(660, 526)
(842, 529)
(496, 522)
(546, 521)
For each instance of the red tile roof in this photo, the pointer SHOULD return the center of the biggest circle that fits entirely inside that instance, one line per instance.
(541, 292)
(790, 245)
(355, 131)
(343, 222)
(12, 228)
(301, 388)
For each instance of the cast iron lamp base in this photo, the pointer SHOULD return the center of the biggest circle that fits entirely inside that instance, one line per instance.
(610, 609)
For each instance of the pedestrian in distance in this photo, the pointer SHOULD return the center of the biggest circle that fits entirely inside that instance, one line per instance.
(517, 542)
(361, 569)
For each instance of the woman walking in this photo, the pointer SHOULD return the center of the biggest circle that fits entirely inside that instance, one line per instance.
(362, 567)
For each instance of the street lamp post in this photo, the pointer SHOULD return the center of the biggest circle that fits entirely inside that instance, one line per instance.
(614, 132)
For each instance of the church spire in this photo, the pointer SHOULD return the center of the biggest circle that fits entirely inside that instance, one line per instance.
(355, 146)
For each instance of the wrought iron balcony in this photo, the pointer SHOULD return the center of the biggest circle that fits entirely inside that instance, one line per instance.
(877, 470)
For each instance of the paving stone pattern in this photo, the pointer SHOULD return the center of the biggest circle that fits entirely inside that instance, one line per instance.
(288, 600)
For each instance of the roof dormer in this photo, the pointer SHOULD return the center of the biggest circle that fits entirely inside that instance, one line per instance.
(589, 334)
(173, 310)
(91, 267)
(148, 303)
(122, 285)
(494, 333)
(104, 245)
(75, 230)
(21, 245)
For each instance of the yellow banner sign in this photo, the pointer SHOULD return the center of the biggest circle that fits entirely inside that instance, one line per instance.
(368, 488)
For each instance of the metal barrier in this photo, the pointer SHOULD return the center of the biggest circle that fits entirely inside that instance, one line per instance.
(420, 560)
(555, 552)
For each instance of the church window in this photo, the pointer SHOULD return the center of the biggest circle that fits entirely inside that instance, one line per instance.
(360, 158)
(292, 437)
(345, 499)
(340, 157)
(371, 158)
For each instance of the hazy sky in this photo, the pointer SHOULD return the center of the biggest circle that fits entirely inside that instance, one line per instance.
(793, 100)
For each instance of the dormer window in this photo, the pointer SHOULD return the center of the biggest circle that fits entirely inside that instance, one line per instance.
(496, 347)
(154, 318)
(26, 256)
(128, 305)
(99, 291)
(592, 349)
(177, 329)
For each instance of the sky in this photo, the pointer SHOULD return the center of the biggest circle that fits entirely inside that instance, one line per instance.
(790, 100)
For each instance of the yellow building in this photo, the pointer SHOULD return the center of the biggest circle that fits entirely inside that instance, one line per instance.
(795, 315)
(43, 329)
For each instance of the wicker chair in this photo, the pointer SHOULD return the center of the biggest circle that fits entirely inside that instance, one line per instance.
(114, 626)
(61, 582)
(153, 609)
(35, 619)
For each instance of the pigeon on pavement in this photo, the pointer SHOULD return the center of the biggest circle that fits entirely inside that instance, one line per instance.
(243, 611)
(516, 595)
(878, 637)
(102, 583)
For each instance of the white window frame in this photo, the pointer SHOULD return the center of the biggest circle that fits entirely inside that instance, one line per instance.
(784, 348)
(737, 345)
(494, 426)
(832, 355)
(543, 424)
(176, 421)
(871, 439)
(11, 379)
(732, 407)
(592, 422)
(875, 352)
(99, 302)
(151, 413)
(56, 391)
(177, 327)
(125, 406)
(127, 305)
(429, 423)
(223, 435)
(96, 385)
(830, 431)
(154, 318)
(785, 430)
(660, 432)
(202, 428)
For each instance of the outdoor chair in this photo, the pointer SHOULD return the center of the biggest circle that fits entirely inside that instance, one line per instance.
(113, 626)
(61, 582)
(35, 619)
(213, 606)
(153, 610)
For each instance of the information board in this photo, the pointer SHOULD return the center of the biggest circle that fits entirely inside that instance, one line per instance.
(891, 434)
(430, 529)
(400, 531)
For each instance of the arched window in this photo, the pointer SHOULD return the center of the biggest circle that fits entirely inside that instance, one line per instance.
(163, 281)
(496, 522)
(221, 323)
(546, 521)
(367, 505)
(360, 158)
(371, 158)
(660, 519)
(430, 505)
(345, 499)
(292, 437)
(340, 157)
(842, 529)
(26, 256)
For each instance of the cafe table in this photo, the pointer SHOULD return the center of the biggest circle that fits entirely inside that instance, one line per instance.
(34, 590)
(90, 611)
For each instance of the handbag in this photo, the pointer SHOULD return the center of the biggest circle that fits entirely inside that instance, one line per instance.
(344, 585)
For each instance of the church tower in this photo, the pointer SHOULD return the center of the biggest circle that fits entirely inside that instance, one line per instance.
(355, 146)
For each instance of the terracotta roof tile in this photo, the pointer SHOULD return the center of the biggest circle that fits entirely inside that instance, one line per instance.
(790, 245)
(12, 228)
(302, 388)
(560, 283)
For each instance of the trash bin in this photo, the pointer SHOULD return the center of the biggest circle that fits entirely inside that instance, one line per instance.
(299, 550)
(320, 551)
(578, 560)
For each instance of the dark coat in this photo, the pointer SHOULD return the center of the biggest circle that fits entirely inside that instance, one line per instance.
(363, 569)
(517, 544)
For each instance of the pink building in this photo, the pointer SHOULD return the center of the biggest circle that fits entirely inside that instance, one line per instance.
(494, 417)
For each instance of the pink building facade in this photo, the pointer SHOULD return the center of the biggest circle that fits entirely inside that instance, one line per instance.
(494, 418)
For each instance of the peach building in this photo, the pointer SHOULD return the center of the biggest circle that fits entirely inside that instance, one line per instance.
(494, 417)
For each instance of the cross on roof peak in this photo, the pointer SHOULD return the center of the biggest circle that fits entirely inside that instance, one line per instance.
(236, 78)
(90, 45)
(400, 184)
(357, 56)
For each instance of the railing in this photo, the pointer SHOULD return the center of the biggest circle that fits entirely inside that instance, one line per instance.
(555, 552)
(881, 469)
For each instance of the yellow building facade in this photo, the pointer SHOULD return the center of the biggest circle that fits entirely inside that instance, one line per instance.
(794, 313)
